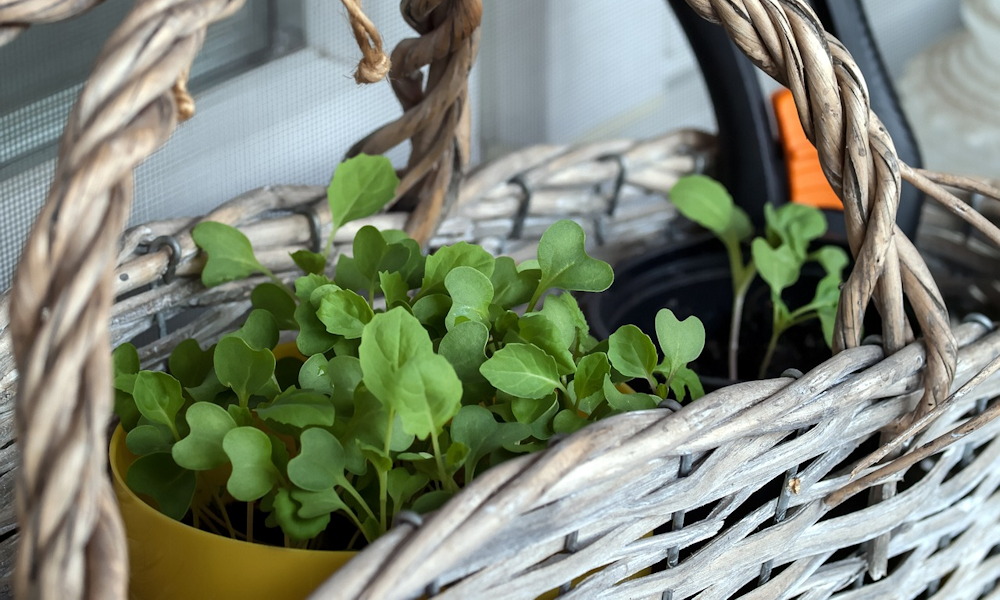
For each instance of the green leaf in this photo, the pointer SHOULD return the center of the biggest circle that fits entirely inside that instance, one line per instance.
(189, 363)
(368, 425)
(432, 311)
(317, 504)
(230, 255)
(202, 449)
(314, 374)
(565, 264)
(249, 451)
(430, 501)
(631, 352)
(240, 414)
(159, 477)
(348, 276)
(360, 187)
(298, 409)
(313, 337)
(344, 313)
(242, 368)
(704, 201)
(320, 462)
(288, 514)
(372, 254)
(426, 394)
(403, 485)
(832, 258)
(278, 301)
(345, 374)
(394, 287)
(126, 410)
(477, 428)
(681, 341)
(465, 348)
(310, 262)
(447, 258)
(685, 382)
(626, 402)
(455, 457)
(537, 414)
(538, 329)
(388, 342)
(149, 439)
(795, 225)
(588, 382)
(512, 287)
(125, 361)
(260, 330)
(570, 321)
(522, 370)
(411, 259)
(471, 295)
(777, 266)
(158, 397)
(402, 371)
(568, 421)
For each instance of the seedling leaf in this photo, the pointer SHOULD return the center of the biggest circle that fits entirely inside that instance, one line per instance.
(159, 477)
(360, 187)
(202, 448)
(565, 264)
(230, 255)
(249, 451)
(631, 352)
(522, 370)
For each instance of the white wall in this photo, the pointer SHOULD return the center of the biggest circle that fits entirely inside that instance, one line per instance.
(563, 71)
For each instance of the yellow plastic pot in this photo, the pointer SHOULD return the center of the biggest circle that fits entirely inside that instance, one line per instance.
(170, 560)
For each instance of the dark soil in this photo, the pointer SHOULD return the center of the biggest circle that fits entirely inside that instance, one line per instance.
(694, 279)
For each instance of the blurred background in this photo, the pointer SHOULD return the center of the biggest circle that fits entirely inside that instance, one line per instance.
(277, 102)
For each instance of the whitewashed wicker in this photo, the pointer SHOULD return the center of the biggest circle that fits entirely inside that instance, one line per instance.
(739, 494)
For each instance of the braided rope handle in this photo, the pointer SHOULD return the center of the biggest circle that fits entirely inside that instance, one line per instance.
(72, 542)
(18, 15)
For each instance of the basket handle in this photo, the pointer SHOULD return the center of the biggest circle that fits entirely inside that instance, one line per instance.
(71, 540)
(18, 15)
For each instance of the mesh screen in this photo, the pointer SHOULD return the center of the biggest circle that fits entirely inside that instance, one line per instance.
(277, 103)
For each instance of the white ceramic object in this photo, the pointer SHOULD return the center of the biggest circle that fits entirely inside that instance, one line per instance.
(951, 95)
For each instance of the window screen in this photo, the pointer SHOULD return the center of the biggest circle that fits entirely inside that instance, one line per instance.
(275, 95)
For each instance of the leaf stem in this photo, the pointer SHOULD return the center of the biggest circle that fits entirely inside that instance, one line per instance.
(225, 515)
(533, 303)
(742, 278)
(777, 329)
(357, 497)
(328, 247)
(383, 476)
(449, 483)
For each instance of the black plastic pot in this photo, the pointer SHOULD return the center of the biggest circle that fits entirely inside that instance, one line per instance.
(694, 279)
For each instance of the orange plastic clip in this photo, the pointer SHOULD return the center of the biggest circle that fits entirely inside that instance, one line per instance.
(806, 182)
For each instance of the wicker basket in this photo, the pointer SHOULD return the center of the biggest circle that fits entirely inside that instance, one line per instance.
(744, 490)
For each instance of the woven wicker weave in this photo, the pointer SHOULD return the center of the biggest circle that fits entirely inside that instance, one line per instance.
(740, 490)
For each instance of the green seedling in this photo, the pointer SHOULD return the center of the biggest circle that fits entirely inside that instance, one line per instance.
(414, 375)
(778, 257)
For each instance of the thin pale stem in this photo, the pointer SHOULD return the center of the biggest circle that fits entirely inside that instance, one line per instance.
(740, 287)
(894, 469)
(449, 483)
(930, 183)
(924, 421)
(776, 332)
